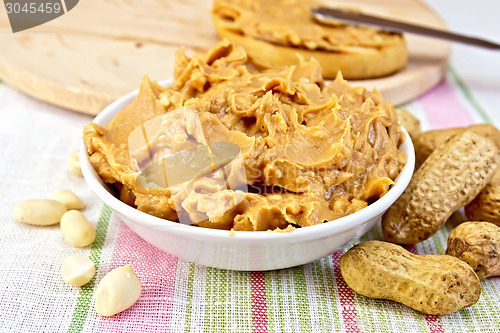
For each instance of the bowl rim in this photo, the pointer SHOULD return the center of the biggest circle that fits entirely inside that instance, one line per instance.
(354, 220)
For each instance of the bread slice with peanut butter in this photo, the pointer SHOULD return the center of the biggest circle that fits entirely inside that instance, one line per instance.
(278, 33)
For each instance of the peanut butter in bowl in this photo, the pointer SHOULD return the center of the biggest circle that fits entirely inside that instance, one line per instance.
(230, 145)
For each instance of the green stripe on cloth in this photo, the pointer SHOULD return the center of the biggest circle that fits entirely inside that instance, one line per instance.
(441, 239)
(436, 244)
(189, 298)
(216, 311)
(321, 270)
(274, 301)
(299, 284)
(327, 263)
(83, 301)
(489, 295)
(242, 295)
(468, 95)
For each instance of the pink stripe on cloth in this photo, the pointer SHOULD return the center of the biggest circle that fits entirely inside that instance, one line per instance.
(259, 306)
(432, 322)
(349, 313)
(156, 270)
(443, 109)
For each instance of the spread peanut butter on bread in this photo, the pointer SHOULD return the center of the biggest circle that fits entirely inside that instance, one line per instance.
(230, 145)
(278, 33)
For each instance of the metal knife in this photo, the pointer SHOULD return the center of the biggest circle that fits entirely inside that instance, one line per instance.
(326, 15)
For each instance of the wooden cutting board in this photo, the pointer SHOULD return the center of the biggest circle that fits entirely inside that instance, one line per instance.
(99, 51)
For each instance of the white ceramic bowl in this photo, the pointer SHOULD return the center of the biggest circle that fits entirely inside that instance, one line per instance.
(245, 250)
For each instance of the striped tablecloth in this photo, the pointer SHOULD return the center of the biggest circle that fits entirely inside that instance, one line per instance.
(177, 296)
(180, 296)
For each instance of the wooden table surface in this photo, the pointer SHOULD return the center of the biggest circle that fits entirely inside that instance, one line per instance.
(99, 51)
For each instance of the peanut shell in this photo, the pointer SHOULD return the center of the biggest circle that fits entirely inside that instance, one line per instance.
(486, 205)
(426, 142)
(431, 284)
(409, 122)
(478, 244)
(450, 178)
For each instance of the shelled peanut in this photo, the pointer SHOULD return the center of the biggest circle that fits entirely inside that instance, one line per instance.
(69, 199)
(73, 163)
(76, 229)
(120, 288)
(478, 244)
(450, 178)
(117, 291)
(77, 270)
(39, 211)
(431, 284)
(47, 211)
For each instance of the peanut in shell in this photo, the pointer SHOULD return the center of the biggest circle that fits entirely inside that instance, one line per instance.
(478, 244)
(486, 205)
(426, 142)
(450, 178)
(431, 284)
(409, 122)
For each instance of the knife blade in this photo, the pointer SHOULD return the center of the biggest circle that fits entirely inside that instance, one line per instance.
(325, 15)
